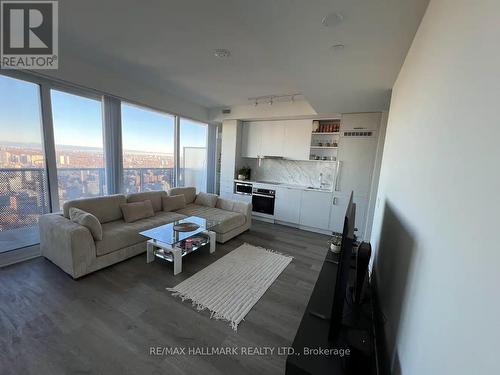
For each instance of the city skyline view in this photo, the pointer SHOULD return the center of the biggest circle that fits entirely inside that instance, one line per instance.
(77, 124)
(78, 121)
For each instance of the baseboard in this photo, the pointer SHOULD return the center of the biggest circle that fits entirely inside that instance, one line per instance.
(293, 225)
(263, 218)
(381, 350)
(19, 255)
(287, 224)
(315, 230)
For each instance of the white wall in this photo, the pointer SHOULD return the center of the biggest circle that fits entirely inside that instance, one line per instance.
(438, 259)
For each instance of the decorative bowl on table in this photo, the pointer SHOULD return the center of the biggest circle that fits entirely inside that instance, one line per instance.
(186, 227)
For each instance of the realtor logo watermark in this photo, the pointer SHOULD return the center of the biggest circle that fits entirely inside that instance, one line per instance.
(29, 35)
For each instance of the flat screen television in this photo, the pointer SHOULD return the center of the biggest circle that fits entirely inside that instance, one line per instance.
(343, 270)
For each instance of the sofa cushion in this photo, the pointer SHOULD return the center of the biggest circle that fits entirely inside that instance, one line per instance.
(188, 192)
(206, 199)
(227, 220)
(137, 211)
(173, 202)
(119, 234)
(225, 204)
(88, 220)
(106, 208)
(154, 196)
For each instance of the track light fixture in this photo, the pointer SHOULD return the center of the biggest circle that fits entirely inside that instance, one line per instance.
(271, 99)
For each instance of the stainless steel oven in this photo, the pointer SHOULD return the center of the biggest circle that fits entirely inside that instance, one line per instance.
(263, 201)
(244, 188)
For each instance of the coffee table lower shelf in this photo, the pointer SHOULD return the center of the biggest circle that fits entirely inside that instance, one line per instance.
(174, 253)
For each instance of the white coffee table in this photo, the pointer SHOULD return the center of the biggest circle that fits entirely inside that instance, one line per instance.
(171, 245)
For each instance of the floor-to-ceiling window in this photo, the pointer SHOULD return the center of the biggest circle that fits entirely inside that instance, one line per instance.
(23, 179)
(46, 160)
(78, 137)
(193, 154)
(148, 149)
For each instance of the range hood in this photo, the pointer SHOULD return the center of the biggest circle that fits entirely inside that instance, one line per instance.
(262, 157)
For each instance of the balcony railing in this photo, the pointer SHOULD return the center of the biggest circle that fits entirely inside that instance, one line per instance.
(137, 180)
(24, 195)
(23, 198)
(24, 191)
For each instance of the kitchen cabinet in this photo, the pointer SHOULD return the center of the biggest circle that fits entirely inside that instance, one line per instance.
(297, 140)
(284, 138)
(337, 214)
(360, 121)
(287, 205)
(272, 138)
(252, 134)
(356, 158)
(262, 138)
(315, 209)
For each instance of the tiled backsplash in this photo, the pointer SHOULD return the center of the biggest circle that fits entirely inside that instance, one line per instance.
(304, 173)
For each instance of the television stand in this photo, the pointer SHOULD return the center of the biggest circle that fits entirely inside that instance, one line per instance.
(355, 334)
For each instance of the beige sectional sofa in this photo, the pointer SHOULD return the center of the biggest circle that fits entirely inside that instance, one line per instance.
(72, 247)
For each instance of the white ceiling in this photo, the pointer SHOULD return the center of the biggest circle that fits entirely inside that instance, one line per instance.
(277, 46)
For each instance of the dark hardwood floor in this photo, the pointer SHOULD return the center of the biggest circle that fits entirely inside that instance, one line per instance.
(106, 322)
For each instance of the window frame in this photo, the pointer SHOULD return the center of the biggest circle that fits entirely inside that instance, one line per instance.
(87, 95)
(209, 182)
(112, 133)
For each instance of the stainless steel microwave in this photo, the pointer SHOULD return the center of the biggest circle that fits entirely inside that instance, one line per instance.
(244, 188)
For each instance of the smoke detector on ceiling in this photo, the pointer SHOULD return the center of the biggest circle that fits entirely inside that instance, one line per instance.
(332, 19)
(337, 47)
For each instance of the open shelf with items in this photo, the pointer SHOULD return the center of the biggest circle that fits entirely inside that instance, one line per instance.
(188, 246)
(325, 138)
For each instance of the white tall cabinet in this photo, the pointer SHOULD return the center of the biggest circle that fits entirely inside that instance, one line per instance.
(355, 164)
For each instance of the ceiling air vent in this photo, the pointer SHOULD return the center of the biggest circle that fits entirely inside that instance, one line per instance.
(358, 134)
(226, 111)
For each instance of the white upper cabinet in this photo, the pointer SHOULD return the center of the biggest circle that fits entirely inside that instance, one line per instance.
(361, 121)
(285, 138)
(251, 140)
(297, 139)
(272, 138)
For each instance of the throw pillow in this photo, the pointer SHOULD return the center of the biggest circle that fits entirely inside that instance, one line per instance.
(173, 202)
(137, 211)
(205, 199)
(88, 220)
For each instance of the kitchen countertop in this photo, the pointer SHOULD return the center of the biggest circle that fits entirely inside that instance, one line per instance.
(285, 185)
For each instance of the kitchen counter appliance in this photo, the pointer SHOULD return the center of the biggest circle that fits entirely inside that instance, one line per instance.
(263, 201)
(243, 188)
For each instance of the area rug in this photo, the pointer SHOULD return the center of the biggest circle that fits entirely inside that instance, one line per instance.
(231, 286)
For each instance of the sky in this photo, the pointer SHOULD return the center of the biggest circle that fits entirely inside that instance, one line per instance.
(78, 121)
